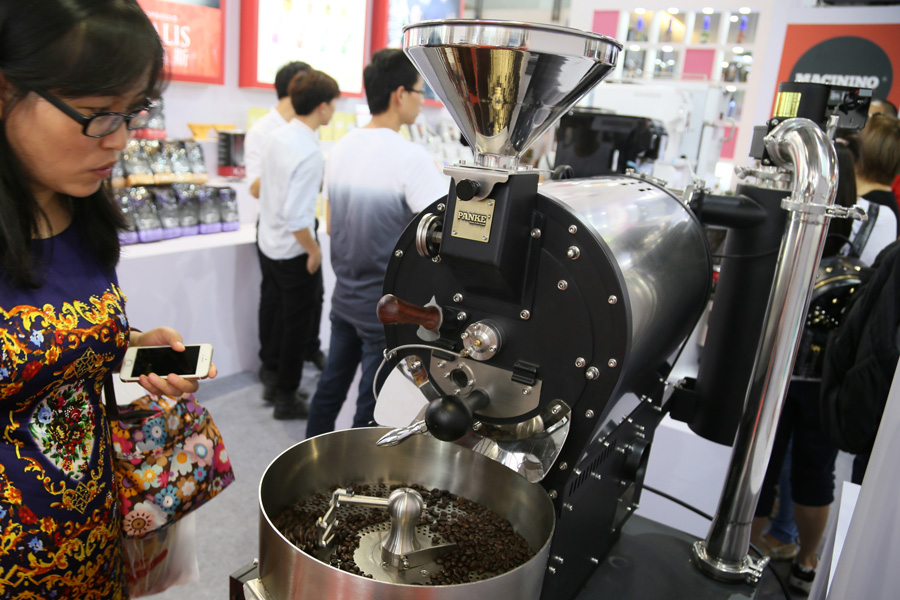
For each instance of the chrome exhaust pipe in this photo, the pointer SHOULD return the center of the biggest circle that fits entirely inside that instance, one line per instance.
(801, 146)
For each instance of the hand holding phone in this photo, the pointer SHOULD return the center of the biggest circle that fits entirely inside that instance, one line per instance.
(193, 363)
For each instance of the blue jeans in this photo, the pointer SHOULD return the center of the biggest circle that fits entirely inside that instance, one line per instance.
(349, 347)
(782, 527)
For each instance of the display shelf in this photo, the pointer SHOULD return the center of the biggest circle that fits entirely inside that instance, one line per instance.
(245, 235)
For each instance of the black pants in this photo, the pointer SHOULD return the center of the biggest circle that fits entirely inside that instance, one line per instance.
(289, 314)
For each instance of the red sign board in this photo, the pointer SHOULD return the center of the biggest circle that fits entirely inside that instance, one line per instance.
(193, 32)
(846, 55)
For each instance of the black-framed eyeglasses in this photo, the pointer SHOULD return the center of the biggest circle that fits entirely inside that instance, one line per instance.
(102, 124)
(415, 90)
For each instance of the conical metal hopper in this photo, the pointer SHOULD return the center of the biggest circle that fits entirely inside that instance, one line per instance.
(505, 83)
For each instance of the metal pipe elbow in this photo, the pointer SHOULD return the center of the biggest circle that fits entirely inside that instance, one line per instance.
(802, 145)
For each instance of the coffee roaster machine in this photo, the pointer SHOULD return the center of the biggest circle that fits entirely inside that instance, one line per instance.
(536, 325)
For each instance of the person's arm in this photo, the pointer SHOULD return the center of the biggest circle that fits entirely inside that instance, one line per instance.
(300, 207)
(254, 188)
(167, 384)
(424, 183)
(306, 239)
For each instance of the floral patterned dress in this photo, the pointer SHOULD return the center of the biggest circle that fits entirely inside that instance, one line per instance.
(59, 525)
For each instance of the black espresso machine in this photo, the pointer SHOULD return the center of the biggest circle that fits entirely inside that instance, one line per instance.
(534, 326)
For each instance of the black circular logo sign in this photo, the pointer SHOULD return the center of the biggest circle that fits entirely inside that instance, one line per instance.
(848, 61)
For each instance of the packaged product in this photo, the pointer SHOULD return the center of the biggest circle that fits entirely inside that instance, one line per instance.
(137, 167)
(129, 236)
(117, 179)
(168, 211)
(228, 208)
(178, 158)
(188, 208)
(146, 219)
(210, 218)
(159, 162)
(198, 163)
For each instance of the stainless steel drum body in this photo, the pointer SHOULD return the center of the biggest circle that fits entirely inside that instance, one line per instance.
(350, 457)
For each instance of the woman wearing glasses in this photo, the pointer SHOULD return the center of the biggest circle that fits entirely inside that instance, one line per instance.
(75, 76)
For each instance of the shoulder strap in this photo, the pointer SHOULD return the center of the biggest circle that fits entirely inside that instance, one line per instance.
(865, 231)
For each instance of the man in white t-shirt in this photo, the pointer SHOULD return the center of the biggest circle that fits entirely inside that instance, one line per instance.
(289, 253)
(375, 181)
(254, 146)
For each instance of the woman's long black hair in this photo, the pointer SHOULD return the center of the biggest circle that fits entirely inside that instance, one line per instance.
(73, 48)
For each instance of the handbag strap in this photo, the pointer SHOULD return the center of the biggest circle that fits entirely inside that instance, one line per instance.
(109, 391)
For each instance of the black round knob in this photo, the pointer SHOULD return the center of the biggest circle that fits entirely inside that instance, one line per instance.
(467, 189)
(448, 418)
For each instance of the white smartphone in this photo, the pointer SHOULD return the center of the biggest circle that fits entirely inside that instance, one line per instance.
(193, 363)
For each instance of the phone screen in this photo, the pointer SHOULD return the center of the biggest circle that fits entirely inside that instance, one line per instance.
(163, 361)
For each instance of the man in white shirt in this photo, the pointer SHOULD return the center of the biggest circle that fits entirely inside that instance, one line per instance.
(288, 251)
(375, 181)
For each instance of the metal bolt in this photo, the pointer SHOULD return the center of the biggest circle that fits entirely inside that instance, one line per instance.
(490, 203)
(552, 569)
(573, 252)
(573, 229)
(424, 572)
(476, 426)
(464, 335)
(555, 410)
(596, 476)
(589, 414)
(457, 297)
(595, 561)
(436, 259)
(525, 315)
(441, 207)
(484, 238)
(453, 231)
(580, 362)
(563, 284)
(568, 507)
(398, 253)
(552, 494)
(612, 363)
(526, 391)
(563, 466)
(576, 471)
(557, 558)
(492, 349)
(612, 299)
(461, 316)
(441, 365)
(535, 233)
(592, 373)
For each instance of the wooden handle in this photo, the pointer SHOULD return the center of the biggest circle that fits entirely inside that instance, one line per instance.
(394, 311)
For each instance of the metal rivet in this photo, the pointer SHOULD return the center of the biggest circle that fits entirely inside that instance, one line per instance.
(484, 238)
(595, 561)
(573, 229)
(490, 203)
(454, 232)
(461, 316)
(535, 233)
(563, 284)
(552, 494)
(441, 207)
(436, 259)
(563, 466)
(589, 414)
(552, 569)
(457, 297)
(525, 315)
(556, 408)
(612, 299)
(612, 362)
(492, 349)
(441, 365)
(576, 471)
(592, 373)
(580, 362)
(526, 391)
(568, 507)
(464, 335)
(573, 252)
(398, 253)
(424, 572)
(476, 426)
